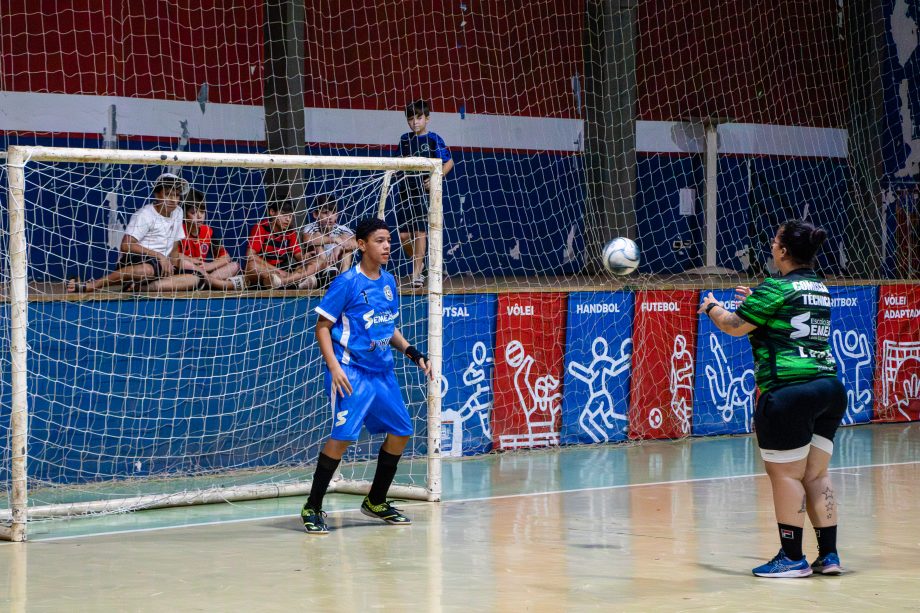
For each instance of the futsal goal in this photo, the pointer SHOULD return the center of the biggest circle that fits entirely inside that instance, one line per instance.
(123, 400)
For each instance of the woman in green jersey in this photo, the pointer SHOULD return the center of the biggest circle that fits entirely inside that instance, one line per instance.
(787, 320)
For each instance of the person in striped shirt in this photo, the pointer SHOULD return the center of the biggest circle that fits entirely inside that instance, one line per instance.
(327, 237)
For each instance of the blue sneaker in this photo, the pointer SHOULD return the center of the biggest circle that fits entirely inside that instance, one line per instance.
(828, 565)
(781, 566)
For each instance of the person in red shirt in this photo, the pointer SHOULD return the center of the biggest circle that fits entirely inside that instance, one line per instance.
(204, 255)
(275, 259)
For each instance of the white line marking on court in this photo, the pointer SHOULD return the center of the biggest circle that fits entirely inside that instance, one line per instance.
(459, 500)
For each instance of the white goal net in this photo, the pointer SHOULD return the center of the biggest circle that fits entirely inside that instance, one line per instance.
(139, 396)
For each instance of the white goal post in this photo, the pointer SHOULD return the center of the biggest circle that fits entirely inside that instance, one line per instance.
(13, 520)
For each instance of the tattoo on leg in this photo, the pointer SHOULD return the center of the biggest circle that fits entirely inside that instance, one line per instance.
(829, 502)
(803, 509)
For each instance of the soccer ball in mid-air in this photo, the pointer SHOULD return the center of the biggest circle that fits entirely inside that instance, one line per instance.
(621, 256)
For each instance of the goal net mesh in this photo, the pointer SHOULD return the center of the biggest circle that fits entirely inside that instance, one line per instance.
(134, 392)
(692, 128)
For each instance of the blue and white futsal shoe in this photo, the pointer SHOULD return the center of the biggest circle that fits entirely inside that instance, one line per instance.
(828, 565)
(782, 567)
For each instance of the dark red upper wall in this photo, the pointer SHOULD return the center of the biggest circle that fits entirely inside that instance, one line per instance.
(762, 62)
(139, 48)
(515, 60)
(779, 62)
(507, 60)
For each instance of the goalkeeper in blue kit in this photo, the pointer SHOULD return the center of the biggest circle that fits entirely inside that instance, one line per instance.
(356, 331)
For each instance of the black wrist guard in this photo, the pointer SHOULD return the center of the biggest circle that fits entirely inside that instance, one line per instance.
(712, 306)
(415, 355)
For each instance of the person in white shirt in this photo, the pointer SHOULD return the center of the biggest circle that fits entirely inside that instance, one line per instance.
(325, 237)
(150, 256)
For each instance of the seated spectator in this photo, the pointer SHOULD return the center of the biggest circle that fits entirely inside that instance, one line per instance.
(324, 235)
(274, 258)
(150, 255)
(203, 254)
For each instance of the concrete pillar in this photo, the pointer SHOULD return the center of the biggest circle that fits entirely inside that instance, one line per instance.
(284, 90)
(610, 124)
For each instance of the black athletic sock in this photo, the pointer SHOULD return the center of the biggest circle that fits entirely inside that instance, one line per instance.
(790, 537)
(827, 540)
(383, 477)
(325, 468)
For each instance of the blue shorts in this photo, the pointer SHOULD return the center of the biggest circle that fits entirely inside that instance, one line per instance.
(375, 402)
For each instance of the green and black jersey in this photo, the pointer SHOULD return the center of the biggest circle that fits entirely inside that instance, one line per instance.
(793, 318)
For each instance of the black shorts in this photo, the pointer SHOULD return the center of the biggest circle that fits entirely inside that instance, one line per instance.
(412, 210)
(787, 419)
(135, 259)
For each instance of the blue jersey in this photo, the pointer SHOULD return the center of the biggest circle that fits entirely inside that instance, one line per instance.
(428, 145)
(364, 313)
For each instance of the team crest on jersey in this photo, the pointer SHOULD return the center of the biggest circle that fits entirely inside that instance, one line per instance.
(204, 250)
(388, 292)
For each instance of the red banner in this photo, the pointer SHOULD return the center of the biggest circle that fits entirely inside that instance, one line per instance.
(664, 351)
(897, 380)
(530, 343)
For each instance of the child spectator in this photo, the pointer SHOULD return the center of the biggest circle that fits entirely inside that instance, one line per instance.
(204, 255)
(149, 249)
(324, 235)
(412, 212)
(275, 259)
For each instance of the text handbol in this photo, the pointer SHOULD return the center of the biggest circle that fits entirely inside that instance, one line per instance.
(592, 309)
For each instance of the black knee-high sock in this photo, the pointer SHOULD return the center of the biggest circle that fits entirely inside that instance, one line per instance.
(383, 478)
(827, 540)
(790, 537)
(325, 468)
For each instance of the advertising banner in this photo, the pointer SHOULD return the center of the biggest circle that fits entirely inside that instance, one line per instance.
(466, 383)
(897, 382)
(725, 390)
(595, 397)
(529, 344)
(853, 315)
(664, 335)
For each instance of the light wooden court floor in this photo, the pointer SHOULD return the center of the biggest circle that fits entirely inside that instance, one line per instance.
(661, 526)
